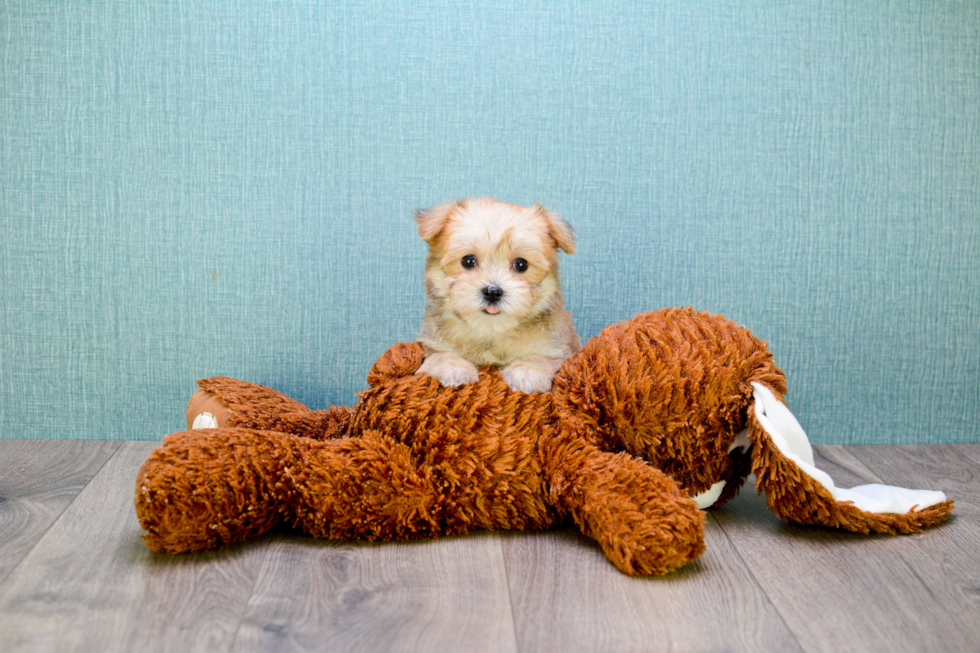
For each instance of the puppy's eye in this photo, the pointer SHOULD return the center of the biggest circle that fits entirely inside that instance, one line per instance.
(520, 265)
(469, 261)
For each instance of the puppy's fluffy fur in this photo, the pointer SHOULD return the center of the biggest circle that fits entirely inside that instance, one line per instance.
(492, 293)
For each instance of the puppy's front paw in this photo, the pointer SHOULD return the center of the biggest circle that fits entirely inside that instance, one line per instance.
(528, 377)
(449, 369)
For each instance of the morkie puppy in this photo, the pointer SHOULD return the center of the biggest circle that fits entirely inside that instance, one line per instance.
(492, 293)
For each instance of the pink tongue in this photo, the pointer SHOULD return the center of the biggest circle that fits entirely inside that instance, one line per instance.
(492, 310)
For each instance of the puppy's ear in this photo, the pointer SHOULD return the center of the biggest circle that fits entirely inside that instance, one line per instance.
(432, 221)
(560, 230)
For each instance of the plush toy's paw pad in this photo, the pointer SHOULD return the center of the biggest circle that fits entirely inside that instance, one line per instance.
(207, 411)
(205, 421)
(528, 377)
(449, 369)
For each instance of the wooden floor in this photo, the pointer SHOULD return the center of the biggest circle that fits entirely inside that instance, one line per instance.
(74, 575)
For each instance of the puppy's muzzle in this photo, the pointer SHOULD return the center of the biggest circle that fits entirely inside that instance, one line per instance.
(492, 294)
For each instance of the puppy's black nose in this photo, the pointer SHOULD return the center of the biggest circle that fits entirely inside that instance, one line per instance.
(493, 294)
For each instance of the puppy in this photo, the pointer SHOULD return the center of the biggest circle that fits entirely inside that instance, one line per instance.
(492, 293)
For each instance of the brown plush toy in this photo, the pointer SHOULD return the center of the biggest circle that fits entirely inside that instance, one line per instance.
(654, 419)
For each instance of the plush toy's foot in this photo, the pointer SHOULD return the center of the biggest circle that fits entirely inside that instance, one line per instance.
(796, 490)
(208, 488)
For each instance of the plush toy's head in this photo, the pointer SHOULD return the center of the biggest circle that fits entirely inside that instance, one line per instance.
(672, 388)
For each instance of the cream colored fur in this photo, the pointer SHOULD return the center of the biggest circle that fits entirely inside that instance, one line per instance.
(532, 334)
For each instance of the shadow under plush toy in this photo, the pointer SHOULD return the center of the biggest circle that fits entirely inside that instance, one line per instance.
(655, 419)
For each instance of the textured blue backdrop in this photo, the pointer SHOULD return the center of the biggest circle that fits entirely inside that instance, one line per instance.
(189, 189)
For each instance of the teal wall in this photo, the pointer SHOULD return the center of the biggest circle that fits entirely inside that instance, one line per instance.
(190, 189)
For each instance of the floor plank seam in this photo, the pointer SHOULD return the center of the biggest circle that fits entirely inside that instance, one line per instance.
(755, 579)
(248, 601)
(27, 554)
(510, 594)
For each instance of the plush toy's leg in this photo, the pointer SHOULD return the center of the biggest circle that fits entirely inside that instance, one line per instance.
(379, 488)
(796, 490)
(207, 488)
(223, 402)
(644, 522)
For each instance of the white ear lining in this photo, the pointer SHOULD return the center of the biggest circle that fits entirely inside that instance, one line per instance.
(707, 498)
(792, 441)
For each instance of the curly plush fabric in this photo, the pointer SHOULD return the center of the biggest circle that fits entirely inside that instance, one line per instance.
(650, 413)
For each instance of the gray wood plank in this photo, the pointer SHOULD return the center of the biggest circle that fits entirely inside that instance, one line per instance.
(972, 451)
(841, 591)
(947, 564)
(88, 583)
(568, 597)
(427, 595)
(91, 585)
(38, 479)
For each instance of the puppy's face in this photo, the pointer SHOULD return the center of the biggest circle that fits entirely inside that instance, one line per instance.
(493, 265)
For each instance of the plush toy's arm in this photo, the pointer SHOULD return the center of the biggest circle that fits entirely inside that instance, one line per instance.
(402, 359)
(644, 522)
(223, 402)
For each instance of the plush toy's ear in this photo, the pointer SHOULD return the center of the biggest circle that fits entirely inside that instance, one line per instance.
(560, 230)
(432, 221)
(782, 461)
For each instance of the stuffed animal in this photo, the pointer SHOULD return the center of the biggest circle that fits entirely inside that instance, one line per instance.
(653, 420)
